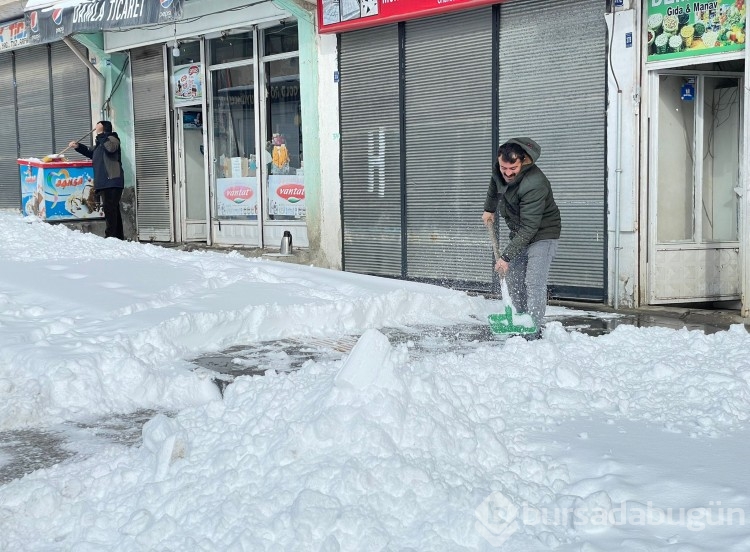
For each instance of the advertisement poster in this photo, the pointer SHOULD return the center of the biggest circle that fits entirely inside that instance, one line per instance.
(237, 197)
(287, 195)
(683, 29)
(335, 16)
(13, 35)
(187, 84)
(32, 191)
(60, 191)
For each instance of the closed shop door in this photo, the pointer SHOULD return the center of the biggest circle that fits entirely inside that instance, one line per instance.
(10, 187)
(371, 151)
(554, 92)
(153, 168)
(448, 136)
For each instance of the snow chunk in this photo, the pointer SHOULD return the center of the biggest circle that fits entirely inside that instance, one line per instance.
(371, 362)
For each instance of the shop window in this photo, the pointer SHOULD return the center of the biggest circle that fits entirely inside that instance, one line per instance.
(186, 52)
(231, 47)
(234, 143)
(281, 39)
(286, 185)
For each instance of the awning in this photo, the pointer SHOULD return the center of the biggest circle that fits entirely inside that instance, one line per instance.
(50, 20)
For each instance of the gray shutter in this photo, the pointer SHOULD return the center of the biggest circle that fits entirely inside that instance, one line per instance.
(34, 108)
(552, 89)
(10, 184)
(153, 181)
(448, 145)
(370, 146)
(71, 98)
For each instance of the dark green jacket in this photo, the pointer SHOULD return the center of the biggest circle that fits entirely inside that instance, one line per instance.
(527, 205)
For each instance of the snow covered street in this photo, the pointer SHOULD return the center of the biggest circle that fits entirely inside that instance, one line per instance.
(293, 408)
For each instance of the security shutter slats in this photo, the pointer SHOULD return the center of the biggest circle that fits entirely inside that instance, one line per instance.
(448, 85)
(10, 187)
(34, 108)
(70, 98)
(153, 188)
(556, 95)
(370, 145)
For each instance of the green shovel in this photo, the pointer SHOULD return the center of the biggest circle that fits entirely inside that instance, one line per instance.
(509, 322)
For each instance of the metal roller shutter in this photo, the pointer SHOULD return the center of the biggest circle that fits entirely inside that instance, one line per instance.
(370, 146)
(448, 135)
(34, 101)
(555, 94)
(153, 180)
(10, 187)
(71, 100)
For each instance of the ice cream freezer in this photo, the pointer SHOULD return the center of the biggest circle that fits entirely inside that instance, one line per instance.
(58, 190)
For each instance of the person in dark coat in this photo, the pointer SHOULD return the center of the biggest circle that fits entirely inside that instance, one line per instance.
(108, 176)
(520, 191)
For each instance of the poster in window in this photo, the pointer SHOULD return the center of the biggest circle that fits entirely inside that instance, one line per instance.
(187, 84)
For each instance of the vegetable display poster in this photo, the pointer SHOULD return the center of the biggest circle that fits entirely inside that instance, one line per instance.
(678, 29)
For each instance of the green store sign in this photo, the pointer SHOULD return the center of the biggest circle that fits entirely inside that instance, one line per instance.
(678, 29)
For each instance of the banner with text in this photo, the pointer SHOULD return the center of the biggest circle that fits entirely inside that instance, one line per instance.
(13, 35)
(50, 24)
(335, 16)
(680, 29)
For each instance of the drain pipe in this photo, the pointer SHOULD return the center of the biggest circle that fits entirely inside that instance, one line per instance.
(618, 163)
(93, 70)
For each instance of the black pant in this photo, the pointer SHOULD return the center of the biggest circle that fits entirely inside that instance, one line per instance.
(111, 206)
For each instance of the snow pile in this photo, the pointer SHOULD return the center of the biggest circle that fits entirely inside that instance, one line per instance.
(95, 326)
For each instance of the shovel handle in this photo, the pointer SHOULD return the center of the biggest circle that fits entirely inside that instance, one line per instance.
(493, 238)
(81, 138)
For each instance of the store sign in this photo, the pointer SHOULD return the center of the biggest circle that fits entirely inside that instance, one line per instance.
(681, 29)
(49, 23)
(335, 16)
(13, 35)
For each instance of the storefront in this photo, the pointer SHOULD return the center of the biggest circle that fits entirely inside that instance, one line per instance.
(426, 95)
(45, 103)
(692, 158)
(217, 111)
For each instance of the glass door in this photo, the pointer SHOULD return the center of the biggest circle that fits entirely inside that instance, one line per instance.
(257, 166)
(234, 123)
(694, 209)
(284, 185)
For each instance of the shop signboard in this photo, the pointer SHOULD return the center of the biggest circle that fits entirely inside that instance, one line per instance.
(287, 195)
(58, 191)
(237, 197)
(13, 35)
(335, 16)
(681, 29)
(48, 21)
(187, 84)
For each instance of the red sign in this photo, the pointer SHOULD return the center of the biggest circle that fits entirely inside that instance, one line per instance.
(238, 194)
(291, 192)
(335, 16)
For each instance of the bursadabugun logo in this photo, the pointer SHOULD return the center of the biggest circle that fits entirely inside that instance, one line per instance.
(292, 193)
(57, 16)
(496, 519)
(238, 194)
